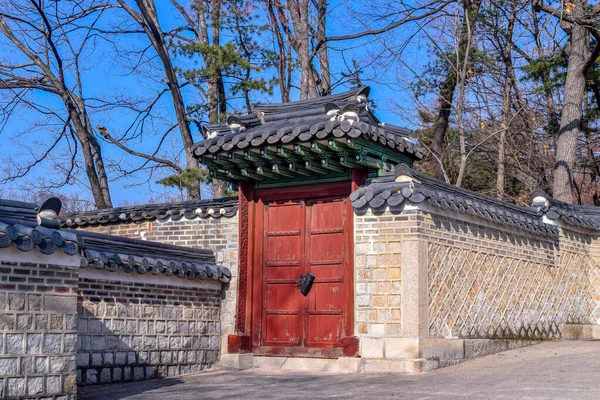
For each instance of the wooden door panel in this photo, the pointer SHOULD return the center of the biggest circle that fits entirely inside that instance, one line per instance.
(283, 330)
(327, 297)
(324, 330)
(326, 248)
(326, 257)
(281, 297)
(298, 236)
(283, 252)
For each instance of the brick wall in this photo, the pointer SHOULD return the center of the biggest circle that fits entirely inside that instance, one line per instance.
(377, 274)
(482, 281)
(143, 330)
(217, 234)
(38, 321)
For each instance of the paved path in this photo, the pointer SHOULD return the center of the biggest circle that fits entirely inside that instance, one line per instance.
(553, 370)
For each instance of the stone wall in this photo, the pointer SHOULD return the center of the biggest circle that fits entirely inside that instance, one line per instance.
(378, 242)
(143, 327)
(38, 322)
(424, 273)
(217, 234)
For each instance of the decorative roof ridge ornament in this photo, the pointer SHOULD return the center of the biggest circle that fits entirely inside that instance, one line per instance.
(540, 200)
(47, 213)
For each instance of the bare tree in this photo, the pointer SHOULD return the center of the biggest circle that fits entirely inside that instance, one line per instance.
(47, 48)
(147, 19)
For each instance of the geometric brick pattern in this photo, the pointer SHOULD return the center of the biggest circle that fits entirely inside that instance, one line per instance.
(479, 294)
(136, 331)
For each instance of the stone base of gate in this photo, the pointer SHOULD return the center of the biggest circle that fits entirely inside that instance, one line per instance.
(402, 355)
(581, 332)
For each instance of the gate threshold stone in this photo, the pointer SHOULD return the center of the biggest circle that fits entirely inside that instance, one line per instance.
(427, 355)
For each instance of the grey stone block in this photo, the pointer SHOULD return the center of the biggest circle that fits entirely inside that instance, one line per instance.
(7, 322)
(131, 358)
(16, 301)
(97, 359)
(105, 375)
(53, 385)
(24, 322)
(82, 326)
(35, 386)
(98, 343)
(41, 322)
(136, 342)
(175, 342)
(150, 373)
(138, 373)
(83, 359)
(3, 303)
(113, 343)
(154, 357)
(70, 343)
(66, 304)
(52, 343)
(34, 302)
(62, 364)
(108, 358)
(9, 366)
(120, 358)
(127, 374)
(70, 322)
(41, 365)
(94, 326)
(15, 387)
(117, 374)
(163, 342)
(14, 344)
(149, 342)
(34, 343)
(165, 357)
(27, 366)
(91, 376)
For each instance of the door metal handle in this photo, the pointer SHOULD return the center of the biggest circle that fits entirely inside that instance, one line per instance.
(305, 282)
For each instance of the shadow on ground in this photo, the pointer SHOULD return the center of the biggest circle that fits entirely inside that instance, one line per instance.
(546, 371)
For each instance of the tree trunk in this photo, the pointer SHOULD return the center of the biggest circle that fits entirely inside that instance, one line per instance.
(94, 167)
(325, 85)
(471, 9)
(299, 14)
(570, 120)
(508, 74)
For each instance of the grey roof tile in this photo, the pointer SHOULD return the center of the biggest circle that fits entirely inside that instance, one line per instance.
(304, 120)
(29, 226)
(576, 215)
(415, 187)
(192, 209)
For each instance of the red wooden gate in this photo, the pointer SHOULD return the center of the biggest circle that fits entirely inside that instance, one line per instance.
(298, 234)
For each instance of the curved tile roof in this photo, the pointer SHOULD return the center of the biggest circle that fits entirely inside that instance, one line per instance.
(580, 216)
(29, 226)
(216, 208)
(340, 115)
(405, 184)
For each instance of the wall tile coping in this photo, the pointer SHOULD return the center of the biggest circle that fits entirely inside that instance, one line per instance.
(28, 226)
